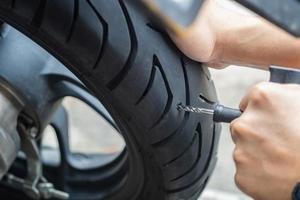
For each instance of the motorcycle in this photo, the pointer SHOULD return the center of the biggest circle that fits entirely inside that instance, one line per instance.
(111, 56)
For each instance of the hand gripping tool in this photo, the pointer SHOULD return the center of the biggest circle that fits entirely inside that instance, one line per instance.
(227, 115)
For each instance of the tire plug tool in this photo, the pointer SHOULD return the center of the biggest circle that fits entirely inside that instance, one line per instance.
(220, 113)
(224, 114)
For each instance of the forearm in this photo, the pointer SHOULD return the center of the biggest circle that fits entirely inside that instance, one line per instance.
(249, 40)
(225, 35)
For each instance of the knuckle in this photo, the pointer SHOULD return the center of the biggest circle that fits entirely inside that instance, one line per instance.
(237, 127)
(234, 126)
(260, 93)
(238, 156)
(242, 130)
(243, 184)
(239, 181)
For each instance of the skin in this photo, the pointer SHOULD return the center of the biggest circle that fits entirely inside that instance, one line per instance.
(267, 139)
(267, 135)
(222, 36)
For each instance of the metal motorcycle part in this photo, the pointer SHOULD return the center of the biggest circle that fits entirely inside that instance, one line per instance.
(44, 189)
(10, 107)
(43, 84)
(34, 185)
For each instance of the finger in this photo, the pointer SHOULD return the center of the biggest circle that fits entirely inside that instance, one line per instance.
(239, 129)
(254, 93)
(233, 131)
(246, 99)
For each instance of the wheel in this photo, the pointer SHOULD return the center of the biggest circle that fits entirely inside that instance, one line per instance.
(140, 77)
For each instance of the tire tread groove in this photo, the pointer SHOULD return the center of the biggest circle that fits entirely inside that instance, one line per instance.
(105, 33)
(39, 15)
(186, 114)
(74, 21)
(114, 83)
(183, 152)
(199, 134)
(168, 106)
(200, 177)
(13, 3)
(149, 85)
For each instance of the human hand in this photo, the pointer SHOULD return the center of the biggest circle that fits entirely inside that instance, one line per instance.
(267, 138)
(199, 40)
(225, 33)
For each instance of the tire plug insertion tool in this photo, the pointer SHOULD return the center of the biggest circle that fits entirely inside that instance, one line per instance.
(224, 114)
(220, 113)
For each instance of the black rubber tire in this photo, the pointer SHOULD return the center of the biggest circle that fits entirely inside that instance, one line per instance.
(140, 76)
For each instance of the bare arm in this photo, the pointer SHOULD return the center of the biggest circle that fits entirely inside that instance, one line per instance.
(221, 35)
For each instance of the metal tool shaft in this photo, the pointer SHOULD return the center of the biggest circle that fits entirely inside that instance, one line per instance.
(196, 110)
(220, 113)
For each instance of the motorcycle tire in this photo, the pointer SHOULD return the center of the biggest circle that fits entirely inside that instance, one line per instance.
(140, 76)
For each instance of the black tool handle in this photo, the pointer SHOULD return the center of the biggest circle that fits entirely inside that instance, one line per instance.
(278, 75)
(225, 114)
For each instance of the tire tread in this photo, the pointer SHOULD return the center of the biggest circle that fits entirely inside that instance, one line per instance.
(145, 78)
